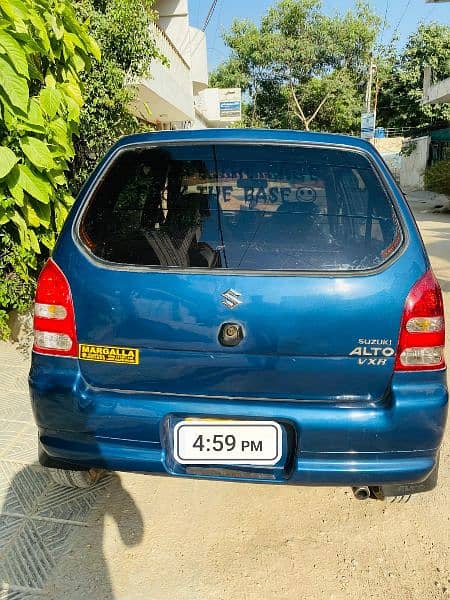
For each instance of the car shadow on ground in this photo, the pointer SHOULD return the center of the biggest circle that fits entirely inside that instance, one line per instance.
(49, 534)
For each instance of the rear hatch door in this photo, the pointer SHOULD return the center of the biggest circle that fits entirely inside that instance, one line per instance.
(289, 244)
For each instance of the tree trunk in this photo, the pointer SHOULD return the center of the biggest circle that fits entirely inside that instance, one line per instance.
(301, 115)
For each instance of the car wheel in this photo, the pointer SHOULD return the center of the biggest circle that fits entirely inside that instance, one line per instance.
(76, 479)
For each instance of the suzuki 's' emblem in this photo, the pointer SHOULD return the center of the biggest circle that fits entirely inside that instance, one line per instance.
(231, 298)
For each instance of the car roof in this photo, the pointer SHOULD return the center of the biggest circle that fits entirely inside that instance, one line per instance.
(245, 135)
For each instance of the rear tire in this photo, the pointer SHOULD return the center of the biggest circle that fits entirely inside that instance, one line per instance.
(76, 479)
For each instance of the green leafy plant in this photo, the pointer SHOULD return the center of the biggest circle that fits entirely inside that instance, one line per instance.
(16, 284)
(43, 50)
(437, 177)
(408, 148)
(400, 98)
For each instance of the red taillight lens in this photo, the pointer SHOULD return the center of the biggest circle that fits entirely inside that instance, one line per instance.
(422, 333)
(54, 320)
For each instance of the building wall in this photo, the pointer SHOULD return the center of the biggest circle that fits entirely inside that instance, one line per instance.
(413, 166)
(174, 20)
(388, 144)
(199, 62)
(171, 96)
(166, 95)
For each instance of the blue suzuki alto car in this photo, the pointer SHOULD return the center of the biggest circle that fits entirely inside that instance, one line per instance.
(241, 304)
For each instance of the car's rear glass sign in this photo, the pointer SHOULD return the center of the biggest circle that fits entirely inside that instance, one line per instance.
(240, 208)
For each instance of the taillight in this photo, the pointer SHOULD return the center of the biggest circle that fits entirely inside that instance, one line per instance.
(54, 320)
(422, 333)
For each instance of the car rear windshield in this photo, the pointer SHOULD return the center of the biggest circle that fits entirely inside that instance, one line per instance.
(241, 207)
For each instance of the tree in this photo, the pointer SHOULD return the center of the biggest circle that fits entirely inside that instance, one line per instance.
(122, 31)
(400, 97)
(300, 67)
(49, 139)
(43, 50)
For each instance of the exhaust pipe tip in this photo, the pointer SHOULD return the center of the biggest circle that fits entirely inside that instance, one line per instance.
(361, 492)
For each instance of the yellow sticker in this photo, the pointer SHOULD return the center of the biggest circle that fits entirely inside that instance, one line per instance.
(110, 354)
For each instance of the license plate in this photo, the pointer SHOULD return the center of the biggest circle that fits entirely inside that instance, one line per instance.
(211, 442)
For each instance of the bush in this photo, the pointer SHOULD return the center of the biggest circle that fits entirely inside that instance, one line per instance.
(58, 116)
(16, 285)
(43, 49)
(437, 177)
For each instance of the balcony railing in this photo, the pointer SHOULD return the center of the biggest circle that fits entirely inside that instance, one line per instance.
(177, 64)
(167, 89)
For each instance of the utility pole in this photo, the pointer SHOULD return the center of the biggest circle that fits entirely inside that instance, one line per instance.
(369, 84)
(368, 117)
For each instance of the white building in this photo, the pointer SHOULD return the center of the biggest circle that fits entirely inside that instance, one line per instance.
(176, 96)
(439, 92)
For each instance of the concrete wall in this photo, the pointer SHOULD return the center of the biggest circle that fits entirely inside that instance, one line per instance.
(413, 165)
(199, 64)
(168, 93)
(388, 144)
(174, 20)
(439, 93)
(393, 161)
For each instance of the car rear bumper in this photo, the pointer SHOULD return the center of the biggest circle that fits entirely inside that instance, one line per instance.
(393, 441)
(80, 452)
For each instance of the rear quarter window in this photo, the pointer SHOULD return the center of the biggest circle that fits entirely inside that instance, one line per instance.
(241, 207)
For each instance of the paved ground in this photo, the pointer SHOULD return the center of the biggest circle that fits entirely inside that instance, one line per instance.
(39, 520)
(139, 537)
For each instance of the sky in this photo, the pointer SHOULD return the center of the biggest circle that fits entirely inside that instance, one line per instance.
(403, 15)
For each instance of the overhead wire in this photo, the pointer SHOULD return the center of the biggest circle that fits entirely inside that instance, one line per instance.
(400, 20)
(216, 33)
(426, 17)
(384, 22)
(210, 14)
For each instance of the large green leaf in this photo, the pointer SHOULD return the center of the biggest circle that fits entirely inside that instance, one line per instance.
(74, 26)
(73, 110)
(44, 213)
(60, 215)
(41, 31)
(22, 228)
(75, 41)
(37, 152)
(57, 178)
(94, 48)
(80, 63)
(31, 217)
(73, 90)
(14, 187)
(7, 161)
(15, 52)
(50, 98)
(57, 27)
(34, 184)
(9, 116)
(14, 9)
(14, 86)
(34, 119)
(34, 241)
(61, 136)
